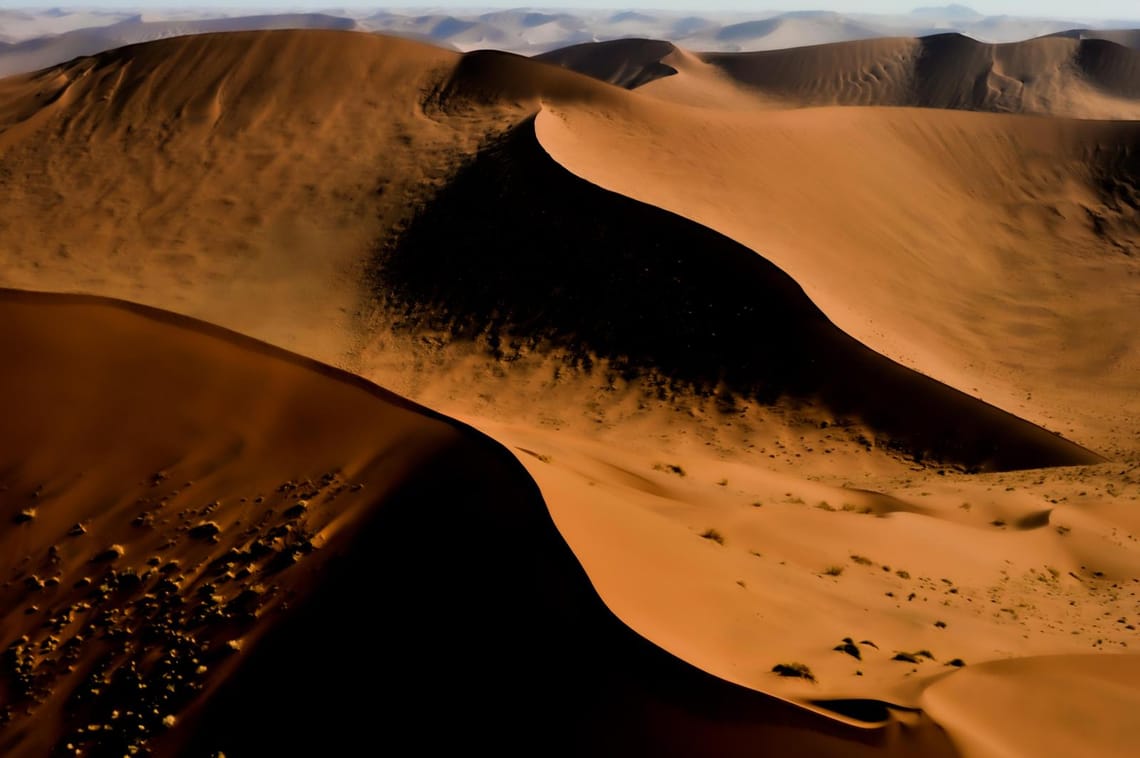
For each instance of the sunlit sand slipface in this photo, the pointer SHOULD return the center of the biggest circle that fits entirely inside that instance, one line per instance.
(842, 392)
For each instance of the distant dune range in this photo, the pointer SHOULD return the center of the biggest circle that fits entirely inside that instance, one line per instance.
(41, 52)
(735, 343)
(51, 36)
(1086, 77)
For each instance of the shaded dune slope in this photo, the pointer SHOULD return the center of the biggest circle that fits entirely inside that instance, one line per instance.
(1126, 37)
(423, 524)
(627, 63)
(248, 171)
(659, 295)
(489, 77)
(929, 235)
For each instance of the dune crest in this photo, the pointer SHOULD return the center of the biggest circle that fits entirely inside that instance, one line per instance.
(951, 242)
(205, 516)
(1000, 707)
(750, 353)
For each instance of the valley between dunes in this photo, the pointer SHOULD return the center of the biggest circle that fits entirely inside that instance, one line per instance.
(804, 370)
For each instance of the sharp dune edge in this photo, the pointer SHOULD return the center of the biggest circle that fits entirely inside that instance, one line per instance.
(273, 508)
(506, 242)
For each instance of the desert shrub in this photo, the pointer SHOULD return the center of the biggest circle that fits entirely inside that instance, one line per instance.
(714, 535)
(797, 670)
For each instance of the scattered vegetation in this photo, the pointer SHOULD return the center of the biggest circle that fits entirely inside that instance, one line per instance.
(669, 468)
(24, 516)
(852, 508)
(862, 560)
(902, 574)
(823, 505)
(849, 647)
(998, 522)
(722, 483)
(956, 662)
(940, 624)
(833, 571)
(714, 535)
(757, 504)
(797, 670)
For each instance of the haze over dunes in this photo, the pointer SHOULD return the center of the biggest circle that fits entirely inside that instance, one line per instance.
(851, 388)
(31, 39)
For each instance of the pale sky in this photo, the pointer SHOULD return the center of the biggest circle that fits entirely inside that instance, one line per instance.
(1117, 9)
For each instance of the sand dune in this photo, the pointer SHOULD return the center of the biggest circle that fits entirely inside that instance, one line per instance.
(41, 52)
(247, 192)
(1126, 37)
(747, 354)
(224, 541)
(652, 293)
(1085, 78)
(627, 63)
(1098, 693)
(969, 232)
(793, 30)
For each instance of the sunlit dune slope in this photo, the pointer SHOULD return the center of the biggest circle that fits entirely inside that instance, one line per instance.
(215, 176)
(214, 544)
(655, 294)
(992, 252)
(257, 199)
(737, 347)
(1057, 705)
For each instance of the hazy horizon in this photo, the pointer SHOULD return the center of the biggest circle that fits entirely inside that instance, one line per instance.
(1106, 9)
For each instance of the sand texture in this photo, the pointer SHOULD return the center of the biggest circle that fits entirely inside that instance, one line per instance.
(736, 364)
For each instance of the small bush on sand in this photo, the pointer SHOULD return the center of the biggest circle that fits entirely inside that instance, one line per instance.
(714, 535)
(797, 670)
